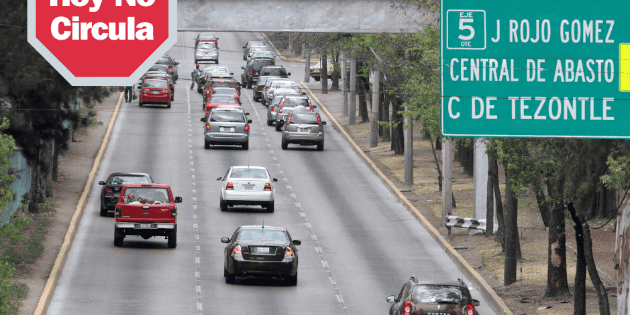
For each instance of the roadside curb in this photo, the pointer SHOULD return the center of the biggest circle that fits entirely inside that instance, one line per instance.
(60, 261)
(484, 288)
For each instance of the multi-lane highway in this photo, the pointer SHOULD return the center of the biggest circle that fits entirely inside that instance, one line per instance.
(358, 244)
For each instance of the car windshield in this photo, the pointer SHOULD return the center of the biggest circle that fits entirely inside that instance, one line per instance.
(222, 84)
(436, 294)
(206, 36)
(258, 48)
(164, 61)
(206, 45)
(263, 235)
(306, 118)
(143, 195)
(223, 99)
(275, 71)
(159, 67)
(258, 64)
(288, 90)
(224, 91)
(257, 173)
(156, 84)
(284, 84)
(250, 44)
(262, 54)
(128, 179)
(226, 116)
(292, 102)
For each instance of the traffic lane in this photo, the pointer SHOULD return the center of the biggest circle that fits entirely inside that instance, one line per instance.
(313, 284)
(99, 278)
(343, 187)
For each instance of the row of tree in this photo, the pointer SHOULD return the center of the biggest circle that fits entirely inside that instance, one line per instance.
(572, 179)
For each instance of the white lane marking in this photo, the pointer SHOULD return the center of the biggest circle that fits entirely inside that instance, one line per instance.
(308, 225)
(199, 306)
(198, 289)
(197, 275)
(314, 237)
(302, 214)
(197, 260)
(332, 281)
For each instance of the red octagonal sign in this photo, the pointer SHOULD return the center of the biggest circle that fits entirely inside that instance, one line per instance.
(102, 42)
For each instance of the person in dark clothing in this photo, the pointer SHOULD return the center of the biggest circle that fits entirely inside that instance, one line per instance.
(128, 94)
(195, 75)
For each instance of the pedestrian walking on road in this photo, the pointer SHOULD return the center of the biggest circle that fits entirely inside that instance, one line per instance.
(194, 74)
(128, 94)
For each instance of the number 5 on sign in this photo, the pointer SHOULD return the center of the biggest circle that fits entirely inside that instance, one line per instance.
(466, 29)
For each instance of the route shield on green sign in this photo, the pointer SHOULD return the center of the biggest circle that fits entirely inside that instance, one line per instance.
(533, 69)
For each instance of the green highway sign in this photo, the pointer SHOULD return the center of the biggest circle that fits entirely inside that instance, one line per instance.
(534, 69)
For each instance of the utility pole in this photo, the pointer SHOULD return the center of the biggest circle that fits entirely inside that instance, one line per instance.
(375, 107)
(303, 50)
(352, 110)
(307, 65)
(509, 272)
(344, 90)
(447, 179)
(408, 147)
(324, 72)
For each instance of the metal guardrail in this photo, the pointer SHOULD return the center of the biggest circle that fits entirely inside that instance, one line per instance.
(469, 223)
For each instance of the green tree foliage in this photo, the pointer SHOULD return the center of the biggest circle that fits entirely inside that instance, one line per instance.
(6, 179)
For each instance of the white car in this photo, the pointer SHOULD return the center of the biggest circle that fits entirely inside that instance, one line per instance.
(247, 185)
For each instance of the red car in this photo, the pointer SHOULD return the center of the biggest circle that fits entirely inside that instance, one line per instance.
(155, 91)
(146, 210)
(219, 100)
(221, 91)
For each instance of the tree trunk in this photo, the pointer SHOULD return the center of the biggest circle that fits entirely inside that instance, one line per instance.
(35, 197)
(398, 138)
(602, 296)
(543, 208)
(622, 259)
(557, 284)
(334, 77)
(494, 166)
(489, 201)
(363, 109)
(579, 289)
(381, 100)
(437, 166)
(465, 156)
(324, 72)
(49, 147)
(512, 246)
(385, 111)
(55, 166)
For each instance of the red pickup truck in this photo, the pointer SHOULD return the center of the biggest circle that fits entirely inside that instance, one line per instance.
(146, 210)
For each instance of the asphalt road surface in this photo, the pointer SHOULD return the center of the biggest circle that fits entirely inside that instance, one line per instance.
(358, 244)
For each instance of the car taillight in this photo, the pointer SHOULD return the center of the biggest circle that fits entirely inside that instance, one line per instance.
(319, 120)
(109, 192)
(207, 126)
(251, 72)
(170, 68)
(471, 310)
(273, 60)
(229, 186)
(272, 108)
(310, 105)
(288, 253)
(267, 186)
(289, 119)
(259, 87)
(237, 251)
(197, 49)
(117, 212)
(167, 91)
(246, 127)
(173, 212)
(407, 308)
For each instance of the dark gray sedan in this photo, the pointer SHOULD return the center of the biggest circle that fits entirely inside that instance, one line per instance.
(305, 128)
(226, 125)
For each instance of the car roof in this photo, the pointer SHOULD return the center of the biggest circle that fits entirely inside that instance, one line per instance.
(228, 108)
(448, 282)
(274, 66)
(207, 35)
(260, 226)
(129, 174)
(148, 185)
(249, 166)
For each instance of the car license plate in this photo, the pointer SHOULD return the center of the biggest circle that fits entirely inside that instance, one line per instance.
(262, 250)
(226, 129)
(145, 226)
(304, 129)
(156, 92)
(248, 187)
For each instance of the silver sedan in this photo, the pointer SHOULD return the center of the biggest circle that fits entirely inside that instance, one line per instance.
(226, 125)
(206, 52)
(247, 185)
(271, 108)
(304, 128)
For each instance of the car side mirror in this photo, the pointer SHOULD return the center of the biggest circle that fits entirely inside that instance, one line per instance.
(274, 179)
(246, 113)
(244, 46)
(303, 93)
(176, 63)
(391, 299)
(314, 106)
(249, 121)
(219, 178)
(323, 122)
(475, 302)
(289, 73)
(178, 199)
(203, 119)
(297, 242)
(243, 68)
(225, 240)
(231, 73)
(139, 87)
(101, 183)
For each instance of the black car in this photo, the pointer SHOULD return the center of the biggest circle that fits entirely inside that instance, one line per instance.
(249, 44)
(251, 71)
(255, 250)
(159, 68)
(275, 71)
(111, 188)
(433, 297)
(172, 66)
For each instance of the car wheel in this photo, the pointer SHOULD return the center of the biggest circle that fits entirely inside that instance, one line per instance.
(270, 206)
(168, 105)
(316, 78)
(320, 146)
(292, 280)
(254, 97)
(140, 104)
(172, 238)
(284, 145)
(269, 122)
(118, 238)
(278, 126)
(246, 146)
(173, 97)
(217, 61)
(229, 277)
(244, 57)
(196, 62)
(206, 145)
(104, 211)
(222, 205)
